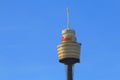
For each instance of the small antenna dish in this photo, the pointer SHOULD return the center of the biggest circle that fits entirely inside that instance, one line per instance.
(68, 18)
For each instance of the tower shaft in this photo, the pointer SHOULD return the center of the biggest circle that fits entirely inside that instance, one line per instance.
(69, 72)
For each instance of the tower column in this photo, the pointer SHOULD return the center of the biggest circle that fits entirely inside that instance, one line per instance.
(69, 72)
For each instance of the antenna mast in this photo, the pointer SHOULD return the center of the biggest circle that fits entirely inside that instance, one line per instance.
(68, 19)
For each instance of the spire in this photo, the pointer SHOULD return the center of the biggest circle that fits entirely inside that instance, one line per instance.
(68, 19)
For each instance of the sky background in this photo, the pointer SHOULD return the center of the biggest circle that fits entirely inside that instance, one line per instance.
(30, 30)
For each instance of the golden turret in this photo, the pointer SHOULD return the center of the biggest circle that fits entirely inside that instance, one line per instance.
(68, 49)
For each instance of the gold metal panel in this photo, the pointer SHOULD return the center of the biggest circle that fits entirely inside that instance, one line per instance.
(68, 44)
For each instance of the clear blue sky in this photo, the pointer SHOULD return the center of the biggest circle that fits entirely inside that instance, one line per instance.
(30, 30)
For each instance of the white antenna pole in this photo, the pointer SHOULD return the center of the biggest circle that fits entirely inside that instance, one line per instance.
(68, 19)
